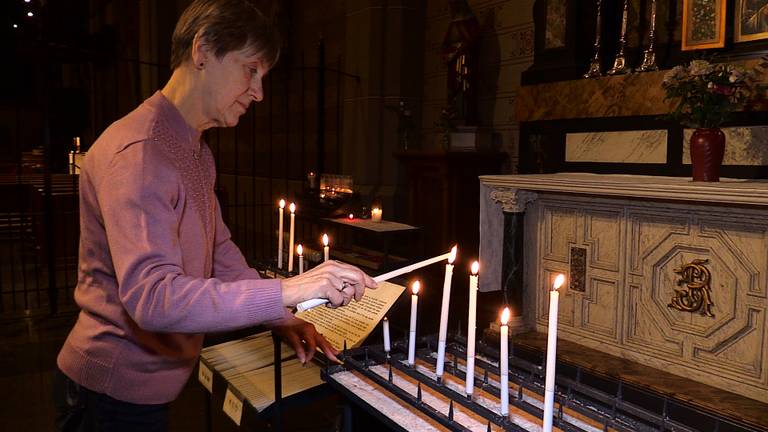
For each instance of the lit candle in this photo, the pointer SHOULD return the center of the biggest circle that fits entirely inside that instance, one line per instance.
(549, 381)
(280, 234)
(300, 252)
(471, 328)
(444, 314)
(412, 335)
(292, 208)
(504, 363)
(376, 214)
(326, 248)
(387, 344)
(351, 216)
(309, 304)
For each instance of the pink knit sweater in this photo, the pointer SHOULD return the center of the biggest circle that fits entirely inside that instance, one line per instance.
(157, 267)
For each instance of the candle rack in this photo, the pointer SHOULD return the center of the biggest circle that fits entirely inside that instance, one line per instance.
(582, 401)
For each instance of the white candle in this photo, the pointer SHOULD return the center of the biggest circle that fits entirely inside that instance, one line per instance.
(376, 214)
(412, 335)
(300, 252)
(326, 248)
(292, 208)
(549, 381)
(504, 362)
(471, 328)
(387, 344)
(444, 313)
(280, 234)
(309, 304)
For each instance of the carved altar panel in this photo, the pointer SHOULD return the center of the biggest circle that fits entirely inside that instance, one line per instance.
(602, 232)
(630, 312)
(600, 307)
(570, 229)
(726, 349)
(663, 271)
(560, 222)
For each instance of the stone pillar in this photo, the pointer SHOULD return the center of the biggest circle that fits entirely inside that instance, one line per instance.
(502, 220)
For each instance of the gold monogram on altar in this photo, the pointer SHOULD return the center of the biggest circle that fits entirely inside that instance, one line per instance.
(697, 297)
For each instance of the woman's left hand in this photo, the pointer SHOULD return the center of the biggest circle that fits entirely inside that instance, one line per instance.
(304, 339)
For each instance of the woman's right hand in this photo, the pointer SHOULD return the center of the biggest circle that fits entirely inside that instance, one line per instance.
(332, 280)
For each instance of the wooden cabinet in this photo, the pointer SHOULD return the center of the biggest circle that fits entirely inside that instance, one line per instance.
(443, 195)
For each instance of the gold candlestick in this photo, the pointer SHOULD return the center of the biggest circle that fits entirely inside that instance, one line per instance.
(649, 55)
(620, 62)
(594, 65)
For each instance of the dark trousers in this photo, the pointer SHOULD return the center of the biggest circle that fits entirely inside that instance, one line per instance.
(81, 410)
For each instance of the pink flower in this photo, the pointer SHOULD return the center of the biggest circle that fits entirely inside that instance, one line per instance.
(721, 89)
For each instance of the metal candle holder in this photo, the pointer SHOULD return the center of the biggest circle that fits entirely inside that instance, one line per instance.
(649, 55)
(620, 62)
(605, 410)
(594, 65)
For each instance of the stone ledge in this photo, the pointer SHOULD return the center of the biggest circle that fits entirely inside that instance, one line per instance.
(727, 191)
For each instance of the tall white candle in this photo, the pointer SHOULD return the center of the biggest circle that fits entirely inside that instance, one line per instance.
(300, 252)
(326, 248)
(504, 362)
(292, 208)
(549, 381)
(280, 234)
(387, 344)
(412, 335)
(444, 314)
(309, 304)
(471, 328)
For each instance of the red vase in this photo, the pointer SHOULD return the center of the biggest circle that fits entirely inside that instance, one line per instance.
(707, 148)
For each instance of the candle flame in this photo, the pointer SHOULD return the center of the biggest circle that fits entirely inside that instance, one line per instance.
(386, 319)
(325, 239)
(475, 267)
(282, 203)
(505, 316)
(376, 210)
(292, 208)
(452, 256)
(559, 281)
(416, 287)
(351, 216)
(300, 250)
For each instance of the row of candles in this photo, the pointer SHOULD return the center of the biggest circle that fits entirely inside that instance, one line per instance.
(299, 248)
(549, 387)
(375, 217)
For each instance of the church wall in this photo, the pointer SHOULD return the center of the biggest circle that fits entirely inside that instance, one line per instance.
(505, 51)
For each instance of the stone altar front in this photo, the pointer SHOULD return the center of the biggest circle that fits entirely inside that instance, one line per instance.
(662, 271)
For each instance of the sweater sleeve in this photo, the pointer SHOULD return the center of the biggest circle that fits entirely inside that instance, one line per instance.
(138, 194)
(229, 265)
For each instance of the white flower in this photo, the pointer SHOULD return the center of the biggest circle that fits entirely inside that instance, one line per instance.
(700, 67)
(737, 75)
(674, 74)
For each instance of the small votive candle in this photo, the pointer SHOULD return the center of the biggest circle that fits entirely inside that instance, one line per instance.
(376, 214)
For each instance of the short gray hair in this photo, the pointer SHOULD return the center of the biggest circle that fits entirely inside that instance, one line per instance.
(226, 25)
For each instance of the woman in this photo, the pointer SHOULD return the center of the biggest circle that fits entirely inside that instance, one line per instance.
(157, 267)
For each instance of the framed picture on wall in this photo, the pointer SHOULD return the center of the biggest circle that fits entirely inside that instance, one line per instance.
(751, 20)
(703, 24)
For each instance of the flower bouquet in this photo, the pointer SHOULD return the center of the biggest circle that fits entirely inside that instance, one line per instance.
(707, 93)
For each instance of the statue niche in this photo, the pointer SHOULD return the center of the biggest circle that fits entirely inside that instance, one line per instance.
(459, 53)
